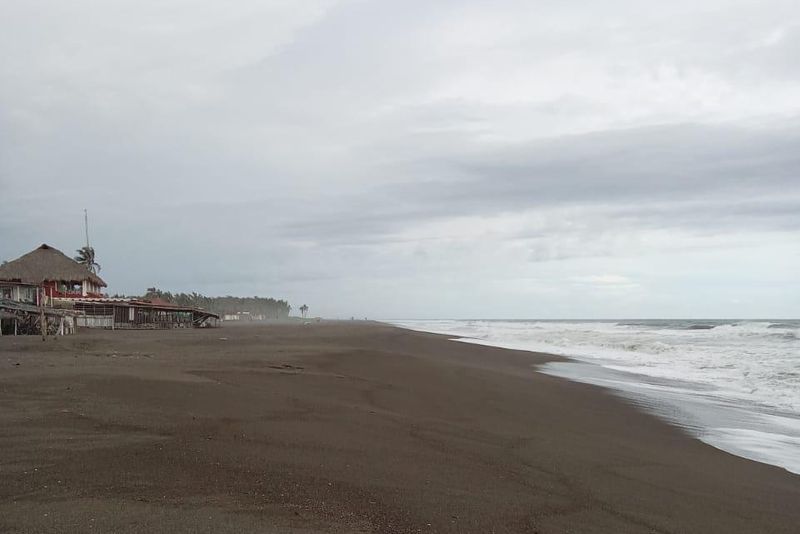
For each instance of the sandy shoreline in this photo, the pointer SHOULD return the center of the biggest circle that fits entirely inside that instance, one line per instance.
(346, 427)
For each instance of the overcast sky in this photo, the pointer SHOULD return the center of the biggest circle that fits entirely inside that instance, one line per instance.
(414, 159)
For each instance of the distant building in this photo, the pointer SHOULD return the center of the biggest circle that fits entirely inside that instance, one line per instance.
(244, 316)
(58, 275)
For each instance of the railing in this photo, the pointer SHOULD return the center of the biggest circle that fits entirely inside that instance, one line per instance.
(95, 321)
(71, 294)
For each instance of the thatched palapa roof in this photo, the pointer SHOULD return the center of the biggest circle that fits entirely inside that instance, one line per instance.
(47, 263)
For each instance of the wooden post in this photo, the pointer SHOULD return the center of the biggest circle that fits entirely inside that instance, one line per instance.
(42, 320)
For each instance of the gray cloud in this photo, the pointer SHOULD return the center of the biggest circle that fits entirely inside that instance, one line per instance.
(417, 152)
(727, 176)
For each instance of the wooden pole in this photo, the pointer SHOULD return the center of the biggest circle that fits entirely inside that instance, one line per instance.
(42, 321)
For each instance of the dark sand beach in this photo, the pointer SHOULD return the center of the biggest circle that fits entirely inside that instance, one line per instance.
(346, 427)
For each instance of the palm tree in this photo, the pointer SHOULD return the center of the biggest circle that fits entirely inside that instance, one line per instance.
(304, 310)
(85, 256)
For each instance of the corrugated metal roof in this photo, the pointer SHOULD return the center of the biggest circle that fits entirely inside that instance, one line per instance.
(138, 303)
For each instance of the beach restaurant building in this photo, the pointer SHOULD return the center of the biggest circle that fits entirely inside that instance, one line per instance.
(133, 313)
(47, 283)
(54, 273)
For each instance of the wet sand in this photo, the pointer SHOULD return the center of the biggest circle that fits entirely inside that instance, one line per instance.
(346, 427)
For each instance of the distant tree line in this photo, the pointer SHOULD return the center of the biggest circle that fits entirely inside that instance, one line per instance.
(268, 307)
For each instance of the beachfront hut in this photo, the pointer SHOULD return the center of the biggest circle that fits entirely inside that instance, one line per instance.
(47, 287)
(30, 284)
(57, 274)
(132, 313)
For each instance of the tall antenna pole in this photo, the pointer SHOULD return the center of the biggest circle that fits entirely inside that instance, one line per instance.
(86, 225)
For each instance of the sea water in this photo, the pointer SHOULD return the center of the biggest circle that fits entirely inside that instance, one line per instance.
(733, 384)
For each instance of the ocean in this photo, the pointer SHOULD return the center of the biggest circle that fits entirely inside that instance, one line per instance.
(733, 384)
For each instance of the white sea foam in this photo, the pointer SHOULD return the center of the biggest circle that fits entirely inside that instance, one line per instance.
(735, 384)
(768, 447)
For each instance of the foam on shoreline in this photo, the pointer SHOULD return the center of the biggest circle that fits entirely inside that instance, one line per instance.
(763, 436)
(684, 384)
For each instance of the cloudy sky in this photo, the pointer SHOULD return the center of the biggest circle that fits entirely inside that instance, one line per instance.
(414, 158)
